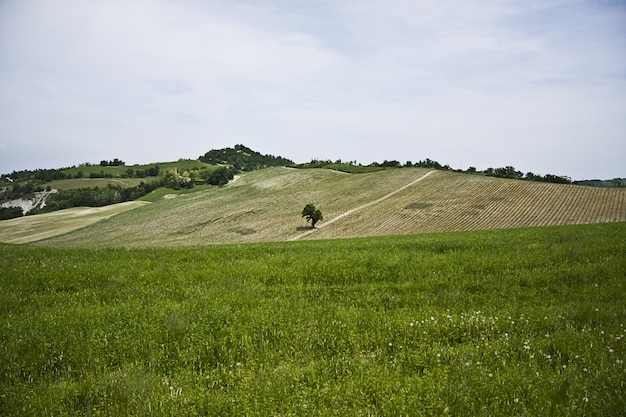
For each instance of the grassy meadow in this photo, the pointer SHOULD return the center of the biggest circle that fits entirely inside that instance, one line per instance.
(526, 321)
(117, 171)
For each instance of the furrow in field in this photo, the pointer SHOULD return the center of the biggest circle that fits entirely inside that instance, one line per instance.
(448, 201)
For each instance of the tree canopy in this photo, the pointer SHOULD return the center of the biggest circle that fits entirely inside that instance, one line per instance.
(243, 158)
(312, 214)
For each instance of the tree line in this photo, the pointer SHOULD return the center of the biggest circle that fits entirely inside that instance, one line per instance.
(7, 213)
(95, 196)
(48, 175)
(504, 172)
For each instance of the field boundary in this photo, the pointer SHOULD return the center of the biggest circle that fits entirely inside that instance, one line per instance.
(361, 207)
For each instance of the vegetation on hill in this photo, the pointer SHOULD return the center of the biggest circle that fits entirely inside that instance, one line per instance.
(506, 322)
(7, 213)
(243, 158)
(216, 167)
(265, 205)
(175, 175)
(506, 172)
(95, 197)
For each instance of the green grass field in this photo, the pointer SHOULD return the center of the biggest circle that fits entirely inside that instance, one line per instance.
(117, 171)
(96, 182)
(525, 321)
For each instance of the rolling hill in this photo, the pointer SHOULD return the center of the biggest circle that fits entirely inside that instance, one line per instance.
(265, 205)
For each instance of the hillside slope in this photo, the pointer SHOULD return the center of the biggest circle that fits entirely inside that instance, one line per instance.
(265, 205)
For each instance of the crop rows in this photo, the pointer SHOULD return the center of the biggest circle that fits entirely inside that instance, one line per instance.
(455, 202)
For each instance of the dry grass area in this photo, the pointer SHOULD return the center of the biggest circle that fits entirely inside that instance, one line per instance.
(262, 205)
(33, 228)
(265, 205)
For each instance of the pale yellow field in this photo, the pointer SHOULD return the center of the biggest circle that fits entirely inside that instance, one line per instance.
(265, 205)
(33, 228)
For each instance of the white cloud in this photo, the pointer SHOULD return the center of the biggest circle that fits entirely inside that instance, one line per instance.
(464, 82)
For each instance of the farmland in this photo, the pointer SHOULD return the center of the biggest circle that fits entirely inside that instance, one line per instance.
(33, 228)
(521, 321)
(265, 205)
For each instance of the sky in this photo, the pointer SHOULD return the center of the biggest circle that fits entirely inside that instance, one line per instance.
(539, 85)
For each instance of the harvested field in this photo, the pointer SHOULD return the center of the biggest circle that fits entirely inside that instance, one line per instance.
(33, 228)
(265, 205)
(455, 202)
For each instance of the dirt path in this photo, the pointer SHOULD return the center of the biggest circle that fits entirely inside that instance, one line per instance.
(371, 203)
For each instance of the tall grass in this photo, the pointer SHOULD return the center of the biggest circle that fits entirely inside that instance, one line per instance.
(509, 322)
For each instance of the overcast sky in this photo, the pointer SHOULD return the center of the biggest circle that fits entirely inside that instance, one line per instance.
(536, 84)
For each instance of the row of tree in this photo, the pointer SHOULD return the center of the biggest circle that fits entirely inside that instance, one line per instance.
(48, 175)
(505, 172)
(114, 163)
(95, 196)
(7, 213)
(511, 173)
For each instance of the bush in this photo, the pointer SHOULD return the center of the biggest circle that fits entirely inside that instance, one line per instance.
(221, 176)
(7, 213)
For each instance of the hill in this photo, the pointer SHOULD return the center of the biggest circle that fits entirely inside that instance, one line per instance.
(243, 158)
(265, 205)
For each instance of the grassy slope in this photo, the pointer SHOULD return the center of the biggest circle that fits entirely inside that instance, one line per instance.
(261, 205)
(33, 228)
(96, 182)
(117, 172)
(506, 322)
(265, 205)
(183, 164)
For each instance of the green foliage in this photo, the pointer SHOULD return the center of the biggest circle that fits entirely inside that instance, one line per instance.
(7, 213)
(114, 163)
(95, 197)
(221, 175)
(243, 158)
(312, 214)
(18, 190)
(508, 322)
(175, 180)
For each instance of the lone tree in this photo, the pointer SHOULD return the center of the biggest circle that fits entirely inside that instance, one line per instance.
(312, 214)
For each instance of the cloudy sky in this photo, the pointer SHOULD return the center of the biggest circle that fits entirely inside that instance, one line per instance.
(536, 84)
